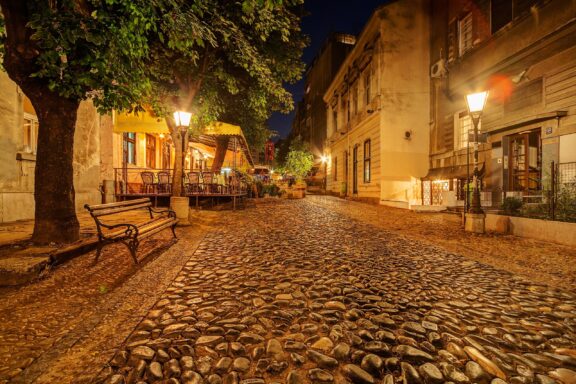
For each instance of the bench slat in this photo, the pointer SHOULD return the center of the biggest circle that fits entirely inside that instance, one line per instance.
(96, 207)
(152, 225)
(118, 232)
(114, 210)
(157, 229)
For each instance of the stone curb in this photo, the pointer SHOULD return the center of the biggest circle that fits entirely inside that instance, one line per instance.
(15, 274)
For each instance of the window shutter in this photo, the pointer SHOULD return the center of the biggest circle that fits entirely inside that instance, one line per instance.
(452, 41)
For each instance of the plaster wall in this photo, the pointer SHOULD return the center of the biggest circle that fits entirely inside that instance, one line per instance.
(405, 100)
(18, 164)
(554, 231)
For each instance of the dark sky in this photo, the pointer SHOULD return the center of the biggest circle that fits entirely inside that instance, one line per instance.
(325, 16)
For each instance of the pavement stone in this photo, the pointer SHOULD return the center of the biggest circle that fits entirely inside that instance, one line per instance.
(262, 287)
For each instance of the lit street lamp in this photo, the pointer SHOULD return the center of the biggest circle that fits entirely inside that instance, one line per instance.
(182, 120)
(476, 103)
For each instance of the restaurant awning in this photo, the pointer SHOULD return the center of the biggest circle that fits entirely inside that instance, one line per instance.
(219, 129)
(143, 122)
(453, 172)
(146, 122)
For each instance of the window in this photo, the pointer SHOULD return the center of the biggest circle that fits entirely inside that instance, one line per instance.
(165, 152)
(355, 100)
(335, 120)
(30, 133)
(367, 161)
(500, 14)
(335, 169)
(129, 147)
(464, 129)
(465, 34)
(367, 81)
(150, 151)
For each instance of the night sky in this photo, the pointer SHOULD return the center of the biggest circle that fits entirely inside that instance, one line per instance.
(325, 16)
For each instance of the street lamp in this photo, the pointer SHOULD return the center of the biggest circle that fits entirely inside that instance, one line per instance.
(476, 103)
(324, 160)
(182, 120)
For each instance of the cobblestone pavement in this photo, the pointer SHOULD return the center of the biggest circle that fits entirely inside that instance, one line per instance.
(292, 292)
(64, 328)
(539, 261)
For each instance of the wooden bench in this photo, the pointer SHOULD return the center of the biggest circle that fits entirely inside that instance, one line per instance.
(129, 234)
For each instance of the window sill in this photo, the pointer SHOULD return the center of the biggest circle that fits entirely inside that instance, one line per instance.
(25, 156)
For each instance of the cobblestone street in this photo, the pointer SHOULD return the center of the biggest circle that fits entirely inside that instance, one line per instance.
(292, 292)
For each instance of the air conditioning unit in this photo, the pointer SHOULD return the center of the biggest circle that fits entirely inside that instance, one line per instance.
(438, 70)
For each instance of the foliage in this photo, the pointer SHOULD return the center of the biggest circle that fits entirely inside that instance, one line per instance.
(566, 202)
(216, 58)
(299, 162)
(512, 205)
(270, 189)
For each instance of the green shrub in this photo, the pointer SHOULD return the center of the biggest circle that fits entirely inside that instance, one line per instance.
(512, 205)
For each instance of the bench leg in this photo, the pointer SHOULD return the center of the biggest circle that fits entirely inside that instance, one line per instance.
(98, 251)
(173, 231)
(133, 248)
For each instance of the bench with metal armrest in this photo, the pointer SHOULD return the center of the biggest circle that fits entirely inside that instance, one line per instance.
(129, 234)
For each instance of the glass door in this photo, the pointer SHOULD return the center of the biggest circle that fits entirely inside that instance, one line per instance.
(525, 162)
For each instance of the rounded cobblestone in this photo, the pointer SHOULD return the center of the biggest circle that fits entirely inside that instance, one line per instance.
(291, 292)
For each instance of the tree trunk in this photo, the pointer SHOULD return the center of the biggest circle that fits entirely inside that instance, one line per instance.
(55, 215)
(221, 148)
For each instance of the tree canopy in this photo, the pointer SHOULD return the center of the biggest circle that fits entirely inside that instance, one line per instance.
(193, 54)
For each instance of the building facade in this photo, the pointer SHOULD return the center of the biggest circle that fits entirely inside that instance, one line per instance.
(377, 109)
(524, 53)
(18, 143)
(310, 118)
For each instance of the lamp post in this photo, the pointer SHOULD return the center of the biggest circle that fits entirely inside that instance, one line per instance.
(181, 204)
(182, 120)
(476, 103)
(324, 160)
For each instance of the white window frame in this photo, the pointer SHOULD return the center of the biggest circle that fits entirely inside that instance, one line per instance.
(31, 121)
(465, 35)
(462, 127)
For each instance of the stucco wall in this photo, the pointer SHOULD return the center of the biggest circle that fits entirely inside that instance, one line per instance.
(554, 231)
(17, 176)
(405, 99)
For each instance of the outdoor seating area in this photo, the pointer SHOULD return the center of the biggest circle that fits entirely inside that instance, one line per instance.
(132, 183)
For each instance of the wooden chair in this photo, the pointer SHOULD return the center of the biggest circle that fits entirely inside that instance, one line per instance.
(208, 184)
(193, 182)
(148, 185)
(164, 182)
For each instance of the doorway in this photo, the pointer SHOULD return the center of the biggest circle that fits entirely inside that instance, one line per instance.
(355, 170)
(525, 162)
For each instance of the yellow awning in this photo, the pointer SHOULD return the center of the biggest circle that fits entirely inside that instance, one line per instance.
(146, 122)
(218, 128)
(143, 122)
